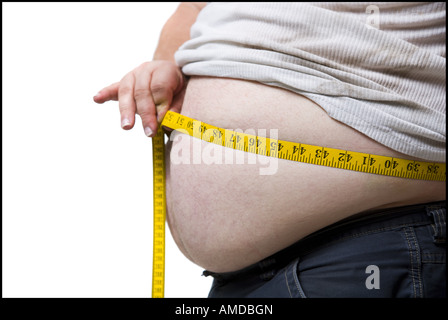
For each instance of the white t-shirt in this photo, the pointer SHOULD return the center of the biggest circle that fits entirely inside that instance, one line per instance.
(377, 67)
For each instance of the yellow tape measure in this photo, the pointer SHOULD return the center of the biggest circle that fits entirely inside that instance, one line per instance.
(158, 261)
(300, 152)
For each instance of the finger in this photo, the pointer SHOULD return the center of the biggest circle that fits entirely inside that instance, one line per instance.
(178, 100)
(107, 94)
(126, 101)
(175, 106)
(144, 103)
(166, 82)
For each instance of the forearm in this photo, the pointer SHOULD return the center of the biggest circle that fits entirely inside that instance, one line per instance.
(177, 30)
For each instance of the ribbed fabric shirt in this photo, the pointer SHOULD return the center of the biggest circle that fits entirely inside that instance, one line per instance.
(376, 67)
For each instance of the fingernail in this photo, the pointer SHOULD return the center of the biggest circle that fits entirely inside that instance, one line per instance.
(148, 131)
(125, 122)
(97, 95)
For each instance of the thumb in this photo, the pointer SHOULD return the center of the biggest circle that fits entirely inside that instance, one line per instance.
(165, 84)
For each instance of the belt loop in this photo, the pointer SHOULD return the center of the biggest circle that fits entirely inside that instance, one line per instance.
(215, 275)
(267, 268)
(438, 215)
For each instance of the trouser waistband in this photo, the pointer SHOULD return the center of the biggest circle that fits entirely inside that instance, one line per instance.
(422, 214)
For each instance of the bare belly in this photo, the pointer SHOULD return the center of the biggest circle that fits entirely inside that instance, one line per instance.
(225, 215)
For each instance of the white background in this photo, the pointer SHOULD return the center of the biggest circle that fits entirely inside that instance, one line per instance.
(77, 189)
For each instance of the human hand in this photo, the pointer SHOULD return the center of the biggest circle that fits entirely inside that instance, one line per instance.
(150, 90)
